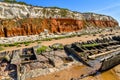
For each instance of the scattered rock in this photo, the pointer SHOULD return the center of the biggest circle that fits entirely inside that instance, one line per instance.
(56, 61)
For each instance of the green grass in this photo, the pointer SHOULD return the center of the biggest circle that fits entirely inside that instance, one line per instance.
(41, 49)
(9, 45)
(38, 42)
(17, 44)
(14, 1)
(59, 37)
(62, 37)
(90, 45)
(1, 48)
(27, 43)
(63, 12)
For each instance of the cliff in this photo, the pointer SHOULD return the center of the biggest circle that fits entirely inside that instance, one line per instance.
(19, 20)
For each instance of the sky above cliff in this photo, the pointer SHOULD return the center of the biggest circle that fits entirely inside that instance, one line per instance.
(107, 7)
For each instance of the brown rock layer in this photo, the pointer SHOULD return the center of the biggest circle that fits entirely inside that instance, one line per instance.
(31, 26)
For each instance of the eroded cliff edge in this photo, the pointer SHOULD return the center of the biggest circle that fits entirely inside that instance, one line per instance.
(17, 20)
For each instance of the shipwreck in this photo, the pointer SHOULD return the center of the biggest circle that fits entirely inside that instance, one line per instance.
(97, 55)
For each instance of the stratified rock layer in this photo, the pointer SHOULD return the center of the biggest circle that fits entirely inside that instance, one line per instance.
(20, 20)
(31, 26)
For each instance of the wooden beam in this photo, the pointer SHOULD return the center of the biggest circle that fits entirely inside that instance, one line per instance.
(104, 53)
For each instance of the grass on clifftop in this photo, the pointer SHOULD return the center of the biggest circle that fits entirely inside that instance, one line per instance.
(14, 1)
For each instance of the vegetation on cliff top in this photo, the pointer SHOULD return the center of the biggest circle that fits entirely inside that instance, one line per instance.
(13, 1)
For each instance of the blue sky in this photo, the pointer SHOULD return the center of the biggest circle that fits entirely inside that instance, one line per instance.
(107, 7)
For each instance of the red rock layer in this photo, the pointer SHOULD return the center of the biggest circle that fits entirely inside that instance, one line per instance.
(30, 26)
(99, 23)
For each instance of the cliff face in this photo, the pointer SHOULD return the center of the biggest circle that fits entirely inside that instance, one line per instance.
(10, 11)
(31, 26)
(100, 20)
(19, 20)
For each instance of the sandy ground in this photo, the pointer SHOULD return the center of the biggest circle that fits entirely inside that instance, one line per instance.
(79, 39)
(69, 40)
(107, 75)
(66, 74)
(74, 72)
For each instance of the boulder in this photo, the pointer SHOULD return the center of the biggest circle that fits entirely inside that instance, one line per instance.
(57, 46)
(56, 61)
